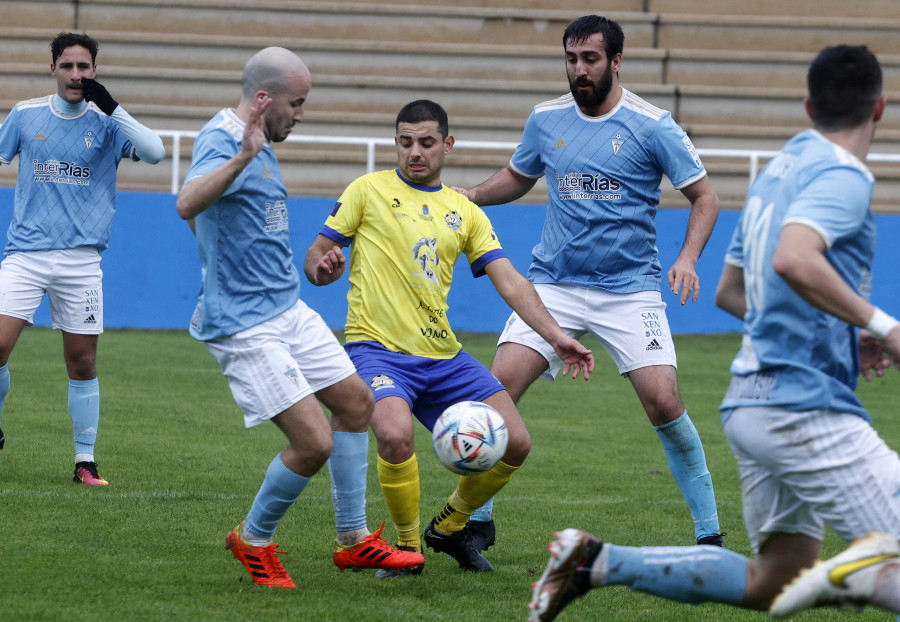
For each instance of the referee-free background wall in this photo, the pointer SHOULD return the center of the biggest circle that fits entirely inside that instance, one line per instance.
(151, 271)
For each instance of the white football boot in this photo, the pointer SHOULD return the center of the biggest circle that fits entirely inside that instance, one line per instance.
(846, 579)
(567, 575)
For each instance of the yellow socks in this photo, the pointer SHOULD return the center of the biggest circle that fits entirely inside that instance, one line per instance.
(400, 486)
(472, 492)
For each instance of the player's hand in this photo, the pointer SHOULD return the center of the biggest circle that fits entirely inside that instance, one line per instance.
(575, 357)
(684, 281)
(254, 138)
(890, 346)
(872, 358)
(95, 92)
(463, 191)
(330, 267)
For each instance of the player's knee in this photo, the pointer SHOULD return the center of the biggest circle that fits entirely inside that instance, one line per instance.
(356, 413)
(518, 447)
(662, 407)
(394, 447)
(514, 382)
(318, 451)
(309, 454)
(86, 370)
(662, 414)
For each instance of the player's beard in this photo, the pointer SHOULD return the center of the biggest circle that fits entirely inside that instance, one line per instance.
(594, 98)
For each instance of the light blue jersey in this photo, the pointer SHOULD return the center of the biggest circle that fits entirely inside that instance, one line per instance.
(603, 185)
(794, 356)
(66, 186)
(248, 272)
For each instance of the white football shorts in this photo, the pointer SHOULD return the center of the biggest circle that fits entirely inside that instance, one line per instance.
(72, 280)
(272, 366)
(801, 471)
(632, 328)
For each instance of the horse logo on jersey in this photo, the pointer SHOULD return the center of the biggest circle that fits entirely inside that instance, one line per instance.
(453, 220)
(425, 253)
(88, 139)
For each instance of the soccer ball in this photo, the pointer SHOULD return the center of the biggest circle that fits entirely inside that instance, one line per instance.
(470, 438)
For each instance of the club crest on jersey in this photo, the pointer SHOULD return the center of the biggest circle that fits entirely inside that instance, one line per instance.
(88, 139)
(424, 210)
(453, 220)
(617, 144)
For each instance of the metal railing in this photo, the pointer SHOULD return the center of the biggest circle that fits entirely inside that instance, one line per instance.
(754, 157)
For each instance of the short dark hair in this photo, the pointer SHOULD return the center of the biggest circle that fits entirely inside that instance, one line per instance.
(67, 39)
(583, 28)
(424, 110)
(844, 83)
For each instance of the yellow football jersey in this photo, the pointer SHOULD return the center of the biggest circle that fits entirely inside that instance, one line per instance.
(404, 242)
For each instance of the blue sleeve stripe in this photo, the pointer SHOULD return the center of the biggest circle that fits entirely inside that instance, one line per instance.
(479, 264)
(341, 239)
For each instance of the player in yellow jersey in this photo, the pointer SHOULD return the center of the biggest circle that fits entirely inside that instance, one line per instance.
(406, 231)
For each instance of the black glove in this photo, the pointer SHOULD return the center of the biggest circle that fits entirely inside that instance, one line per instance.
(95, 92)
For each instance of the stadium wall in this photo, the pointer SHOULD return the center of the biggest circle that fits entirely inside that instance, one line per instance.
(152, 271)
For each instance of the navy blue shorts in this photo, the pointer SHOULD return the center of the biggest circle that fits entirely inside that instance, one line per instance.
(428, 385)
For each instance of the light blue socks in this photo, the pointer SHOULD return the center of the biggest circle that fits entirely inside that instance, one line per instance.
(279, 490)
(689, 574)
(687, 461)
(348, 466)
(485, 513)
(84, 408)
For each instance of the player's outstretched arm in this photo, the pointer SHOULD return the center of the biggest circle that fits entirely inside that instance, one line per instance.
(504, 186)
(201, 192)
(520, 294)
(325, 262)
(682, 276)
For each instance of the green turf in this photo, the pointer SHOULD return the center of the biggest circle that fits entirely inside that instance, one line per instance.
(183, 471)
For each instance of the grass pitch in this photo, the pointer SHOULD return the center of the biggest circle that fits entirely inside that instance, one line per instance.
(183, 471)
